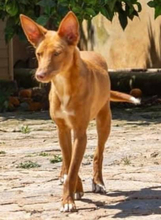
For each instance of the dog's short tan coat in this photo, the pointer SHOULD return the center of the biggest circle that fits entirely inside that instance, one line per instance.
(80, 92)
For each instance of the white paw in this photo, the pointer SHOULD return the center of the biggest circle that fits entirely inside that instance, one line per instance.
(78, 195)
(98, 188)
(68, 208)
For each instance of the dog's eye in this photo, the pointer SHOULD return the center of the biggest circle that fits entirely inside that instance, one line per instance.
(57, 53)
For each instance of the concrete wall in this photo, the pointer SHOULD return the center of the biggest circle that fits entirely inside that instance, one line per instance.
(139, 46)
(6, 72)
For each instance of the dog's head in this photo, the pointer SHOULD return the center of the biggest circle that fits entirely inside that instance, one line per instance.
(54, 50)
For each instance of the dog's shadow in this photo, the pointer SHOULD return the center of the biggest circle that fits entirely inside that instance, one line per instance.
(138, 115)
(146, 201)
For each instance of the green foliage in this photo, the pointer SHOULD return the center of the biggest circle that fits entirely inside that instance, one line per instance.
(50, 12)
(44, 154)
(2, 152)
(156, 4)
(126, 161)
(56, 159)
(4, 104)
(10, 10)
(28, 164)
(25, 129)
(6, 90)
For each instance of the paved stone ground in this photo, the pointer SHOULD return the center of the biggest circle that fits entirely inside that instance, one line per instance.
(132, 168)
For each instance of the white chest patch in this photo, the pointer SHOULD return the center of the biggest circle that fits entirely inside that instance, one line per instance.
(63, 112)
(65, 100)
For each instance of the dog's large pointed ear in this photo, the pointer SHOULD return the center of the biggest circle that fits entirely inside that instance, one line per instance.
(34, 32)
(69, 28)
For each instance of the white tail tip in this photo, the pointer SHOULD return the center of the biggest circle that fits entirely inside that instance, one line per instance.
(135, 101)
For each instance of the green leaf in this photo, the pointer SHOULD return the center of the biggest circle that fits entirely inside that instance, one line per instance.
(151, 4)
(42, 20)
(12, 8)
(139, 6)
(123, 20)
(107, 13)
(111, 4)
(9, 29)
(129, 9)
(25, 2)
(90, 11)
(46, 3)
(104, 12)
(63, 3)
(157, 11)
(76, 10)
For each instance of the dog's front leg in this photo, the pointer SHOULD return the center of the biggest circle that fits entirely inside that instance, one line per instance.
(70, 184)
(64, 134)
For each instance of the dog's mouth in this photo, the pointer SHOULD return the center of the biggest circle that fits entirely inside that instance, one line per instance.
(45, 77)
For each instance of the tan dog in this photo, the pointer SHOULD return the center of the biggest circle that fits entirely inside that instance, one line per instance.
(80, 92)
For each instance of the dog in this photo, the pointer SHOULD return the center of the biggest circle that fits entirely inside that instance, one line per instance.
(80, 92)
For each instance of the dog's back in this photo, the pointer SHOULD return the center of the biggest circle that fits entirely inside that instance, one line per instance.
(94, 58)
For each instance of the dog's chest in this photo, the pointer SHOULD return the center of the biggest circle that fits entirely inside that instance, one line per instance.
(63, 111)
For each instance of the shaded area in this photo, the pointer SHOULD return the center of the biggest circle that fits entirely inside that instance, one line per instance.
(22, 116)
(153, 59)
(87, 36)
(146, 201)
(140, 115)
(122, 111)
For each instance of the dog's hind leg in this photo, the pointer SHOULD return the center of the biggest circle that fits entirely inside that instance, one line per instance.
(103, 129)
(79, 189)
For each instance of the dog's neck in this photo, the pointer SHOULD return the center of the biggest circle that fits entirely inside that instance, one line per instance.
(65, 82)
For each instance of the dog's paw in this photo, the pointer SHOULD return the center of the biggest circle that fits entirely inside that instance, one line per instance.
(78, 195)
(98, 188)
(68, 206)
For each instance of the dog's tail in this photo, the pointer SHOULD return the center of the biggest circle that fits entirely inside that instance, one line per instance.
(122, 97)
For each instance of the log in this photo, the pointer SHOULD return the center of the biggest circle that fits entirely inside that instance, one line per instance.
(148, 80)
